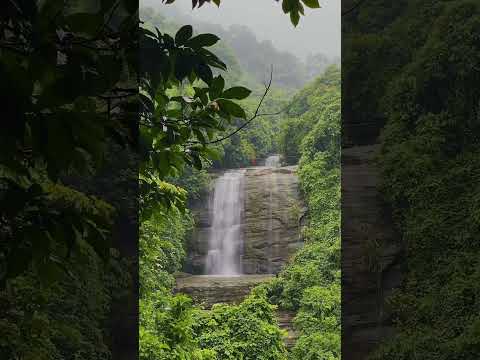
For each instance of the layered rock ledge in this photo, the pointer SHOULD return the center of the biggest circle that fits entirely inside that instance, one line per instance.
(207, 290)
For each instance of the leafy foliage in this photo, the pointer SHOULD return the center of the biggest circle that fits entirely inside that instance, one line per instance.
(245, 54)
(54, 129)
(303, 113)
(292, 7)
(59, 270)
(247, 331)
(427, 97)
(310, 283)
(255, 141)
(428, 144)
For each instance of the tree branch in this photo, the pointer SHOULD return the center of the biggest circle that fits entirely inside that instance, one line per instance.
(255, 115)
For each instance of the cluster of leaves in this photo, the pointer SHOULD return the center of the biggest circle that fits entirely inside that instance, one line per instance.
(245, 54)
(183, 107)
(255, 141)
(66, 318)
(310, 283)
(292, 7)
(53, 128)
(65, 89)
(258, 140)
(246, 331)
(166, 321)
(430, 169)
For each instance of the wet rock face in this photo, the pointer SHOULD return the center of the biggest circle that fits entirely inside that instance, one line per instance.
(270, 222)
(207, 290)
(271, 219)
(372, 255)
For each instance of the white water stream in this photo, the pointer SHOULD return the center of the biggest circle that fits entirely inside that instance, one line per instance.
(226, 237)
(225, 242)
(272, 161)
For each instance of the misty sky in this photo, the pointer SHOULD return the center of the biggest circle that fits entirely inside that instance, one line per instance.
(318, 32)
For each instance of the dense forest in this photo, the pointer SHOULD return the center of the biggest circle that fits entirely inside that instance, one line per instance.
(67, 176)
(419, 82)
(96, 143)
(80, 169)
(305, 130)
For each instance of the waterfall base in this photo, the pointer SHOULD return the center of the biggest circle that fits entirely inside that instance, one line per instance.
(207, 290)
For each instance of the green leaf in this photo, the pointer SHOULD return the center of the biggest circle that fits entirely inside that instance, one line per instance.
(205, 73)
(212, 153)
(197, 162)
(183, 65)
(84, 23)
(312, 4)
(183, 34)
(202, 40)
(294, 17)
(236, 92)
(286, 6)
(231, 108)
(216, 88)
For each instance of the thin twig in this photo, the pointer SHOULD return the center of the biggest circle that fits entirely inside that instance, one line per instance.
(255, 115)
(114, 97)
(353, 8)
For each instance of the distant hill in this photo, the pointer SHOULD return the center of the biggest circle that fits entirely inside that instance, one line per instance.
(248, 57)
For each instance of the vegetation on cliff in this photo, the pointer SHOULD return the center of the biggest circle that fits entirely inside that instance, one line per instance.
(426, 73)
(310, 283)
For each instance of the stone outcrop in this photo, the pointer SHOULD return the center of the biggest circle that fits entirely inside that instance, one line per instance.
(272, 213)
(209, 290)
(270, 222)
(371, 255)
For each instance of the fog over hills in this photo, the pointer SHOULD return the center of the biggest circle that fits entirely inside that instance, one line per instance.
(254, 51)
(318, 32)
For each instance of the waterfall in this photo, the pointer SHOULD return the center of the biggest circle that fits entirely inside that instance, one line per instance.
(226, 237)
(273, 161)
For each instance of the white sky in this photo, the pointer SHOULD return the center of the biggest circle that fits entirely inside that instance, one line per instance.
(318, 32)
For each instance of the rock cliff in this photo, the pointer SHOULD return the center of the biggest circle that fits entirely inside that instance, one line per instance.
(371, 255)
(270, 222)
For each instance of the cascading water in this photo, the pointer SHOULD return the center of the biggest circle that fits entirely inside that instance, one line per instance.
(272, 161)
(226, 238)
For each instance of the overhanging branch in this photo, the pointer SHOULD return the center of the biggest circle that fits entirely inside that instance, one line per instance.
(255, 115)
